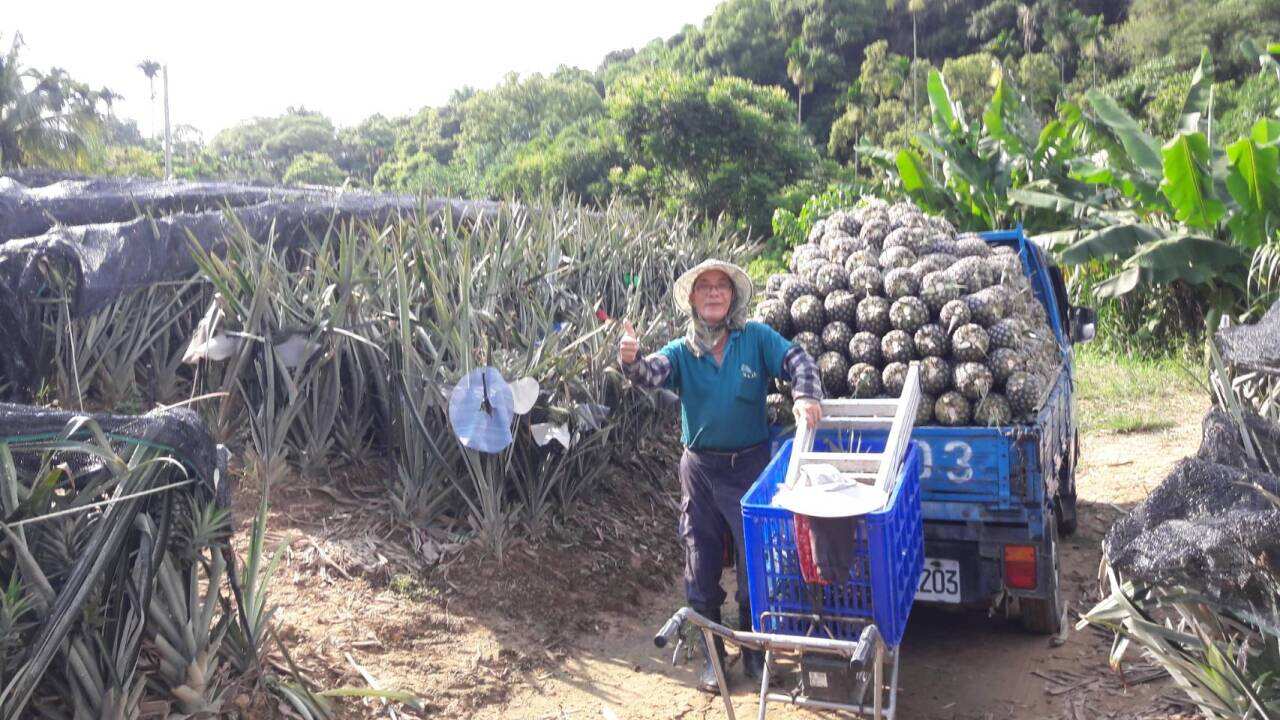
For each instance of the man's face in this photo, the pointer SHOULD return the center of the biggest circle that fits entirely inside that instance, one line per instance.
(712, 296)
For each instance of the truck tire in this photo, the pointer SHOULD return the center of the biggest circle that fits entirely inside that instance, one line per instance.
(1043, 616)
(1066, 502)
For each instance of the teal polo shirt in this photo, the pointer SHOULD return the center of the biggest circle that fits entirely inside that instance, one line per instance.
(722, 407)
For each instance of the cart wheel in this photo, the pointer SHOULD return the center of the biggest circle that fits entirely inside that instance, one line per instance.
(1043, 616)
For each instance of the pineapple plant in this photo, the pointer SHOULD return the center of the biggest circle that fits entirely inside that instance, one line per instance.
(893, 378)
(969, 343)
(1023, 390)
(864, 349)
(897, 257)
(954, 314)
(864, 381)
(836, 336)
(873, 315)
(952, 409)
(908, 314)
(830, 277)
(897, 346)
(775, 314)
(935, 375)
(993, 410)
(901, 282)
(810, 342)
(834, 369)
(807, 314)
(865, 281)
(932, 341)
(841, 305)
(973, 380)
(938, 288)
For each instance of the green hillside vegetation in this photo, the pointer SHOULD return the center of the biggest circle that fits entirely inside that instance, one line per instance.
(767, 106)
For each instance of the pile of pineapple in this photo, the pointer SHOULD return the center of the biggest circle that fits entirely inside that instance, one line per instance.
(879, 286)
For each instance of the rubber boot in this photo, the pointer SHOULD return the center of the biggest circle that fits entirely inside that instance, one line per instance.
(707, 678)
(752, 660)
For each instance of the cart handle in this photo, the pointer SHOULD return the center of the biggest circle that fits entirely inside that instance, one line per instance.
(672, 627)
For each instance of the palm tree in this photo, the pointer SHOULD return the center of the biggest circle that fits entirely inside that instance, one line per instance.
(109, 98)
(151, 68)
(799, 70)
(44, 118)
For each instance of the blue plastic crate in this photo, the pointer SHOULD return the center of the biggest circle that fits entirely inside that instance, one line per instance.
(888, 558)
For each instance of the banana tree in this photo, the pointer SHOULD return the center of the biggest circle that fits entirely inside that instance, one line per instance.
(966, 169)
(1187, 212)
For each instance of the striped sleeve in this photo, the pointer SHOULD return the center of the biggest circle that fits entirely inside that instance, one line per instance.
(650, 372)
(803, 372)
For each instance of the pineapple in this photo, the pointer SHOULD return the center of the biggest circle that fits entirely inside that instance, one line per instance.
(909, 314)
(863, 381)
(846, 221)
(817, 231)
(897, 346)
(864, 349)
(941, 226)
(924, 411)
(776, 315)
(971, 273)
(1008, 333)
(970, 245)
(907, 237)
(894, 378)
(873, 232)
(842, 305)
(834, 369)
(945, 246)
(993, 410)
(774, 285)
(937, 289)
(810, 342)
(778, 407)
(865, 257)
(897, 257)
(952, 409)
(931, 341)
(865, 281)
(1004, 363)
(829, 278)
(933, 262)
(807, 314)
(836, 336)
(983, 309)
(803, 254)
(840, 250)
(901, 282)
(935, 375)
(793, 288)
(969, 343)
(1023, 390)
(873, 315)
(954, 314)
(973, 380)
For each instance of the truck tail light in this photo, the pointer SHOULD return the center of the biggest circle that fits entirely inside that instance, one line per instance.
(1020, 566)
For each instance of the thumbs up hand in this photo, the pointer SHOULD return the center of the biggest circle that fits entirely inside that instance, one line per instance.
(629, 345)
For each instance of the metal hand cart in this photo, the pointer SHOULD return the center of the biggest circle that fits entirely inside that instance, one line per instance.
(844, 637)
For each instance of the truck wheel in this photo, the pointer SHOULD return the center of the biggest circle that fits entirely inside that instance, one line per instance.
(1066, 501)
(1043, 616)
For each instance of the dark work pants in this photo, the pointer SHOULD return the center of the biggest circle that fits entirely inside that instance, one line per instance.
(711, 486)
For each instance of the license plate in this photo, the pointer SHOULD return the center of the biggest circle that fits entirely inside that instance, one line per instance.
(940, 581)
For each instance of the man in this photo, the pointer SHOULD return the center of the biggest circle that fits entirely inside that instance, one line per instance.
(721, 370)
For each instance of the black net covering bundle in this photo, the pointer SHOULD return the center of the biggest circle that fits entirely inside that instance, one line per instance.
(111, 236)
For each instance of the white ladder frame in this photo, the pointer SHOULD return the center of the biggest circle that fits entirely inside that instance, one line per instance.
(879, 469)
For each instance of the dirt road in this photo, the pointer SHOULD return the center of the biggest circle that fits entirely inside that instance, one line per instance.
(954, 666)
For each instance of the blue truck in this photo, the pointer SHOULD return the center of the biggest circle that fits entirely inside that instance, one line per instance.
(996, 499)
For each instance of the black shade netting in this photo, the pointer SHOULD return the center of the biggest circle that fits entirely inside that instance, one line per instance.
(178, 433)
(1253, 347)
(1209, 526)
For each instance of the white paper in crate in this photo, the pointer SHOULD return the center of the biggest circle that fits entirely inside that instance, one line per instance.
(820, 490)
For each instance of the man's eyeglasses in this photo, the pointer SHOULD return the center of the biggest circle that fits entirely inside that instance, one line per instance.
(708, 289)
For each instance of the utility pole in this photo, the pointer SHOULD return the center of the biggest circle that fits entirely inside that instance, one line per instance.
(168, 142)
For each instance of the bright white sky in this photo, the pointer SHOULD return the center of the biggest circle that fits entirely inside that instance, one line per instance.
(231, 60)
